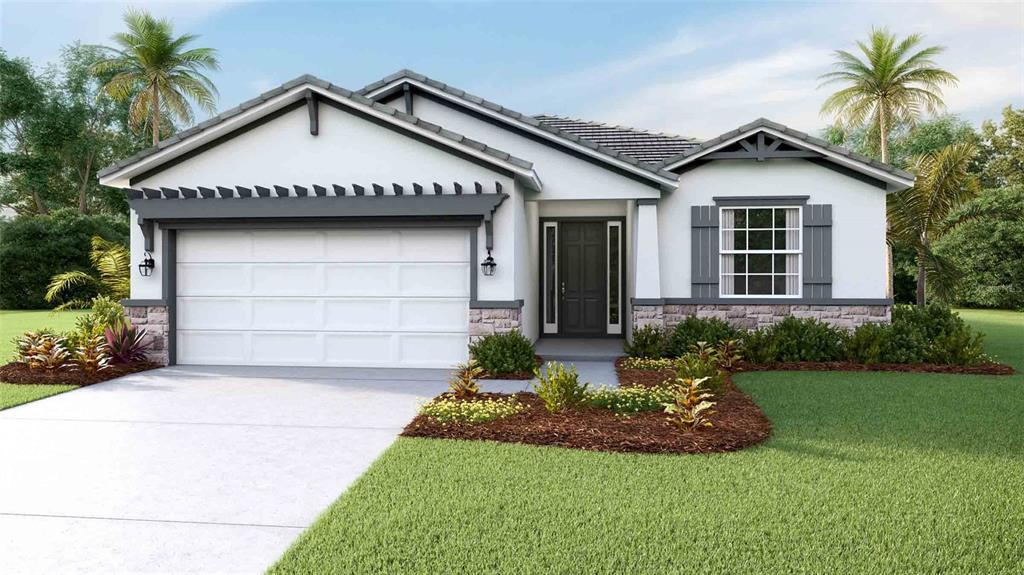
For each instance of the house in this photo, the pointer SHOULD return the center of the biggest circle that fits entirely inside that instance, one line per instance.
(316, 226)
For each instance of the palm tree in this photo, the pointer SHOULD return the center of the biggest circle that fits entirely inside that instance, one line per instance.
(919, 216)
(893, 85)
(113, 266)
(154, 69)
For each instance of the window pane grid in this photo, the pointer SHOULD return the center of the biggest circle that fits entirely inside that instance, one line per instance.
(760, 251)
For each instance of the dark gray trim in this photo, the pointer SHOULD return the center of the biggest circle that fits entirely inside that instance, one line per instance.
(321, 223)
(407, 96)
(817, 251)
(147, 233)
(704, 253)
(143, 303)
(474, 273)
(647, 202)
(169, 253)
(313, 107)
(772, 301)
(849, 172)
(726, 201)
(496, 304)
(646, 301)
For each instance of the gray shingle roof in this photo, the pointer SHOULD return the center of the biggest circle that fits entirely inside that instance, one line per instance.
(402, 117)
(554, 130)
(644, 145)
(796, 135)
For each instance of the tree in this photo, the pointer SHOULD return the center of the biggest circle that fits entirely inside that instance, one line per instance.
(1002, 150)
(893, 85)
(112, 262)
(920, 216)
(153, 69)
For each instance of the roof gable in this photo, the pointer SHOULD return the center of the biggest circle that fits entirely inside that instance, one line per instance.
(311, 91)
(746, 142)
(392, 86)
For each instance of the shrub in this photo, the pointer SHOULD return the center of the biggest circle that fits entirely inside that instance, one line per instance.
(690, 405)
(960, 347)
(125, 343)
(35, 248)
(463, 383)
(648, 342)
(795, 339)
(507, 352)
(885, 343)
(559, 388)
(702, 365)
(729, 353)
(92, 355)
(942, 335)
(625, 401)
(449, 409)
(44, 350)
(688, 332)
(105, 312)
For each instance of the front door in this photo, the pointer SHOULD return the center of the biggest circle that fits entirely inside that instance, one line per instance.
(582, 267)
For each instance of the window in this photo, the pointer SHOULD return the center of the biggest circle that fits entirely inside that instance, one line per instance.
(614, 277)
(760, 251)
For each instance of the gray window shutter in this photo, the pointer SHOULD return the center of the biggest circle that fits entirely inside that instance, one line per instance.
(817, 251)
(704, 252)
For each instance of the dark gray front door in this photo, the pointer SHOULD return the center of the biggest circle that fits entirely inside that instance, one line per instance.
(582, 265)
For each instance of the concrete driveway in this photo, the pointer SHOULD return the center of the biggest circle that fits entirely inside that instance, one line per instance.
(190, 469)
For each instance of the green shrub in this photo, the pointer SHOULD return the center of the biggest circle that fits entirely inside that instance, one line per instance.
(507, 352)
(692, 330)
(959, 347)
(648, 342)
(701, 364)
(625, 401)
(559, 388)
(943, 336)
(35, 248)
(873, 343)
(449, 409)
(795, 339)
(104, 313)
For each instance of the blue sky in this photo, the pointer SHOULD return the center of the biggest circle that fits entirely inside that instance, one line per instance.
(685, 67)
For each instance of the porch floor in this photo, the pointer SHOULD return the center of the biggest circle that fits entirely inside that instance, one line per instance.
(572, 349)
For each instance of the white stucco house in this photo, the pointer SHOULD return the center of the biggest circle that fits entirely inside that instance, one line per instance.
(316, 226)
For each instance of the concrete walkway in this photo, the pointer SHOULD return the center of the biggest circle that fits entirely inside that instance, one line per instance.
(190, 469)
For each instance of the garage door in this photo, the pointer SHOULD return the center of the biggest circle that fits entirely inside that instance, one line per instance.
(342, 297)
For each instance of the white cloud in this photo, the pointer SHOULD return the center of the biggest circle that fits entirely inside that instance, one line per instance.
(985, 86)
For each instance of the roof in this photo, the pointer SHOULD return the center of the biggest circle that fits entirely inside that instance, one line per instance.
(644, 145)
(360, 101)
(555, 131)
(688, 155)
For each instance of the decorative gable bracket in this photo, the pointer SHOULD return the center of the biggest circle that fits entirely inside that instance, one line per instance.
(760, 147)
(313, 107)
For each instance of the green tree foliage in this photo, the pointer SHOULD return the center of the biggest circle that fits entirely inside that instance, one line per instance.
(893, 84)
(988, 250)
(1001, 153)
(153, 69)
(34, 249)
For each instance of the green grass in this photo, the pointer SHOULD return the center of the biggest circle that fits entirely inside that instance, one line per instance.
(865, 473)
(13, 323)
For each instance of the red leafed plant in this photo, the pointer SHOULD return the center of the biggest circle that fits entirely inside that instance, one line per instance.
(125, 343)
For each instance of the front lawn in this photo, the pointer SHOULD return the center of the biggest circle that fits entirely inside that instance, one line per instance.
(13, 323)
(865, 473)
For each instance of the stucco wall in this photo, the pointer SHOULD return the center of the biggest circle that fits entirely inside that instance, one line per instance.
(347, 150)
(858, 213)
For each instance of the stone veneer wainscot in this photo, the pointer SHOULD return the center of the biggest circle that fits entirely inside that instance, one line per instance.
(155, 321)
(847, 317)
(487, 321)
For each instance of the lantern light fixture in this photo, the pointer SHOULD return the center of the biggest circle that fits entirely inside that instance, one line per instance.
(146, 265)
(488, 265)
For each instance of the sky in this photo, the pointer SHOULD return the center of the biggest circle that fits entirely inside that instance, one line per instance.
(691, 68)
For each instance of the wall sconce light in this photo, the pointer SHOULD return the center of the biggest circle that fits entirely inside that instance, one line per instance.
(146, 265)
(488, 265)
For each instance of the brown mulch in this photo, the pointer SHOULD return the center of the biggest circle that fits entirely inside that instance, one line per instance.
(19, 373)
(980, 369)
(738, 423)
(516, 374)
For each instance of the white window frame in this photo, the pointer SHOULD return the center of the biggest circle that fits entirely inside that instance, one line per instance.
(800, 252)
(548, 327)
(612, 328)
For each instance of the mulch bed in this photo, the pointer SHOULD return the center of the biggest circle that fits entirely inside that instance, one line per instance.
(19, 373)
(516, 374)
(738, 423)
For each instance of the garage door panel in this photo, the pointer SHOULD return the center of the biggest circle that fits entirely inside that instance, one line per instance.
(433, 315)
(431, 349)
(286, 279)
(213, 347)
(285, 314)
(214, 246)
(297, 246)
(359, 349)
(214, 313)
(286, 348)
(433, 279)
(352, 297)
(204, 279)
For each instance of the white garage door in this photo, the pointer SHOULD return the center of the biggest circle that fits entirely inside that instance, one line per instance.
(342, 297)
